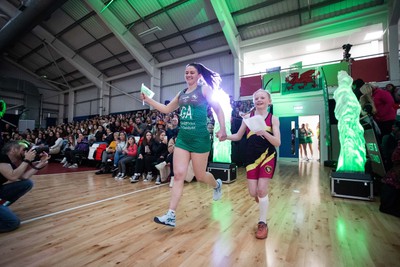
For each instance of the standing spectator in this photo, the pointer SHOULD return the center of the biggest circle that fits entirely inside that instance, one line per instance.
(302, 142)
(309, 142)
(385, 115)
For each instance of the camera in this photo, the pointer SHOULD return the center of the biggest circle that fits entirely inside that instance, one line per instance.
(346, 54)
(39, 150)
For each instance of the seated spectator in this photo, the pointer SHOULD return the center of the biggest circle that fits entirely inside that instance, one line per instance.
(145, 159)
(50, 139)
(108, 154)
(98, 135)
(56, 148)
(121, 145)
(160, 148)
(81, 148)
(71, 143)
(138, 127)
(160, 126)
(130, 153)
(109, 136)
(173, 127)
(162, 166)
(16, 169)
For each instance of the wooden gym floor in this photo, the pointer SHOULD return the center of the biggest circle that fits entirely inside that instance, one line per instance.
(82, 219)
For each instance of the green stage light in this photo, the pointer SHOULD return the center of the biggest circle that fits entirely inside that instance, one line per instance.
(352, 156)
(222, 150)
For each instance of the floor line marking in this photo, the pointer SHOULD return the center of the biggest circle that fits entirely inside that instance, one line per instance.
(88, 204)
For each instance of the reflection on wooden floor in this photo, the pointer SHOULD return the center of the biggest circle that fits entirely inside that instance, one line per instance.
(82, 219)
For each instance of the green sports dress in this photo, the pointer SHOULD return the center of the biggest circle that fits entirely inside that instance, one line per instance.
(193, 135)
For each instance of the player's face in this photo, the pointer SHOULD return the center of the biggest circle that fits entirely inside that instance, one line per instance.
(191, 75)
(261, 99)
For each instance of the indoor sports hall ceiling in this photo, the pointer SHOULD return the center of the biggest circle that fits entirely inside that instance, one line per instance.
(72, 43)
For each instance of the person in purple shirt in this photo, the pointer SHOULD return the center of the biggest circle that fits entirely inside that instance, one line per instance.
(81, 148)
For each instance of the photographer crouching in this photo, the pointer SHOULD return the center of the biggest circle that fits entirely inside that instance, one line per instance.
(16, 169)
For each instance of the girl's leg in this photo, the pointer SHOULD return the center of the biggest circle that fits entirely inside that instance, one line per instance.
(301, 151)
(116, 158)
(199, 161)
(180, 170)
(311, 150)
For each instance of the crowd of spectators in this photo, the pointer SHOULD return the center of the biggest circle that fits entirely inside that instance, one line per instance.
(72, 141)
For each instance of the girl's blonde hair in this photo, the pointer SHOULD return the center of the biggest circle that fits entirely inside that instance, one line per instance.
(366, 99)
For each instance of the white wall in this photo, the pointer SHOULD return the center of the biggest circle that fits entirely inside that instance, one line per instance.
(336, 55)
(119, 101)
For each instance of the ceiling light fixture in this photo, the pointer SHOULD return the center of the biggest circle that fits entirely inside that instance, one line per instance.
(373, 36)
(313, 47)
(150, 31)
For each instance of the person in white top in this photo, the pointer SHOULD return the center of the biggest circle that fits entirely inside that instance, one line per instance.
(56, 148)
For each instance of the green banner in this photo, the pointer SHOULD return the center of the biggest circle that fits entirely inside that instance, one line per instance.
(272, 82)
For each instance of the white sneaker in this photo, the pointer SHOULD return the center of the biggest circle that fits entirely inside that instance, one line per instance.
(134, 178)
(118, 175)
(73, 166)
(161, 165)
(63, 160)
(122, 176)
(171, 182)
(158, 180)
(218, 190)
(167, 219)
(66, 165)
(149, 177)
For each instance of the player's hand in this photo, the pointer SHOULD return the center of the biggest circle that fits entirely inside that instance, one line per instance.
(221, 134)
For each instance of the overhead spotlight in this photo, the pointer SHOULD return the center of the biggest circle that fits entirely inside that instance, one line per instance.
(346, 54)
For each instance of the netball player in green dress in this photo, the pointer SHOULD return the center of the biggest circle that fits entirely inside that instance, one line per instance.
(193, 141)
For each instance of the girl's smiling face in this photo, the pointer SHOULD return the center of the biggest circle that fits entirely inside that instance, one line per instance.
(261, 99)
(191, 76)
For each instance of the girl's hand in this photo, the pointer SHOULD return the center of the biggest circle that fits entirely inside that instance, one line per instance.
(261, 133)
(221, 135)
